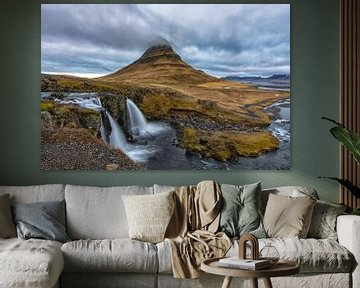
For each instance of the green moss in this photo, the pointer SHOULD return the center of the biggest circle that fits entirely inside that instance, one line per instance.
(226, 145)
(69, 115)
(47, 106)
(162, 107)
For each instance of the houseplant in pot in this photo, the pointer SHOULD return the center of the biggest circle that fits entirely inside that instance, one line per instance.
(351, 141)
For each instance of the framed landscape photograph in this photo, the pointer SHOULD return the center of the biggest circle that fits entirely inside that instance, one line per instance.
(165, 86)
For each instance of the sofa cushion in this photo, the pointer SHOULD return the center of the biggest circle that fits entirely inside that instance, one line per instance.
(291, 191)
(149, 215)
(43, 220)
(7, 226)
(323, 222)
(240, 210)
(117, 255)
(287, 216)
(98, 213)
(30, 263)
(313, 255)
(163, 188)
(164, 257)
(36, 193)
(109, 280)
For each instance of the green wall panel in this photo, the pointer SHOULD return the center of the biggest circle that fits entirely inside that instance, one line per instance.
(314, 92)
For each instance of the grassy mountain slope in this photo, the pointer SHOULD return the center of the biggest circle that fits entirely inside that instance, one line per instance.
(167, 88)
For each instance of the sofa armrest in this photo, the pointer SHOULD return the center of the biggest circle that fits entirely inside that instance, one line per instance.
(348, 230)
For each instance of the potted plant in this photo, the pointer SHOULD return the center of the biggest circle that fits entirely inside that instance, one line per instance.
(351, 141)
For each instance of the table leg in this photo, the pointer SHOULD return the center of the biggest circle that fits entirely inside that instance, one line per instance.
(267, 283)
(227, 282)
(254, 282)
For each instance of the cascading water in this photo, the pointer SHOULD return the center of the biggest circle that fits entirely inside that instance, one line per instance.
(112, 133)
(117, 137)
(137, 121)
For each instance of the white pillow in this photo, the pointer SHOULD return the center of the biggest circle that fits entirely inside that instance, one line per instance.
(149, 215)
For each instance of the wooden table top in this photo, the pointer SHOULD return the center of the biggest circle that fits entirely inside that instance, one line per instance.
(281, 268)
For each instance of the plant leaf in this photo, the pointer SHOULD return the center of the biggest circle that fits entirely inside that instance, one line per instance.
(347, 184)
(333, 121)
(348, 138)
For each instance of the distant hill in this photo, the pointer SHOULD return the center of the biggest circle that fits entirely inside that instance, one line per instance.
(257, 78)
(276, 81)
(280, 77)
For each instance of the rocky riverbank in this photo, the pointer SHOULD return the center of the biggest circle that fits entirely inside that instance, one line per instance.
(69, 141)
(78, 149)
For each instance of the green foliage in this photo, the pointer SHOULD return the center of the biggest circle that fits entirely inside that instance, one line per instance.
(348, 138)
(355, 211)
(351, 141)
(347, 184)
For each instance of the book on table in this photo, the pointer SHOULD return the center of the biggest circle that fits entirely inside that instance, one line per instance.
(236, 262)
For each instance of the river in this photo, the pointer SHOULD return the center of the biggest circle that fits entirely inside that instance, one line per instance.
(157, 150)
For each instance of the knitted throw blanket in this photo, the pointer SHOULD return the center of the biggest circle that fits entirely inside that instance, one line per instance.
(191, 231)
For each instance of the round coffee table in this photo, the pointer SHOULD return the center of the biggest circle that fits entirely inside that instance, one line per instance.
(281, 268)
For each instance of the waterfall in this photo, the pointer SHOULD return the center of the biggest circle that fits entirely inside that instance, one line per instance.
(138, 150)
(117, 137)
(137, 121)
(103, 132)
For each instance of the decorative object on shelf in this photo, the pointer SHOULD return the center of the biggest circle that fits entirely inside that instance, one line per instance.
(270, 253)
(254, 246)
(351, 142)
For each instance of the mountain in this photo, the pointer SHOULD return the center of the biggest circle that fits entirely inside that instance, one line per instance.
(160, 64)
(217, 118)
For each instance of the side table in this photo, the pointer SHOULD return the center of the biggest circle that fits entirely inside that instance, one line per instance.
(281, 268)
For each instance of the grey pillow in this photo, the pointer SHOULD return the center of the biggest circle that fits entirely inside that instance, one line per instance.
(240, 213)
(7, 227)
(44, 220)
(323, 222)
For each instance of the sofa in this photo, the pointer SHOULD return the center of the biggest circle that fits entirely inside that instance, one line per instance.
(100, 253)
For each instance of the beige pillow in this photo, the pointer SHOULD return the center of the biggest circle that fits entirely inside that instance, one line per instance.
(149, 215)
(7, 226)
(288, 217)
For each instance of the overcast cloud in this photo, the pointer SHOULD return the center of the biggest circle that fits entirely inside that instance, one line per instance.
(226, 39)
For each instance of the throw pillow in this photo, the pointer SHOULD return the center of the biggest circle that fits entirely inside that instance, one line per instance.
(288, 217)
(240, 213)
(7, 227)
(323, 222)
(149, 215)
(43, 220)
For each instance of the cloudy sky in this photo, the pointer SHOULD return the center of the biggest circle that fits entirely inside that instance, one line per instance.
(226, 39)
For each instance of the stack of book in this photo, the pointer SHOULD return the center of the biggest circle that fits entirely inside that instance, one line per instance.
(248, 264)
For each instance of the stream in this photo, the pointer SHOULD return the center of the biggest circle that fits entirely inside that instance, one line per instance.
(154, 143)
